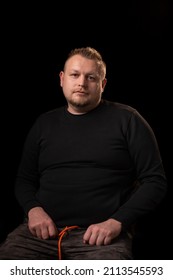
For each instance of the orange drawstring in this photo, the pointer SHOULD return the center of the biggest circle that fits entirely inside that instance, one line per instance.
(61, 234)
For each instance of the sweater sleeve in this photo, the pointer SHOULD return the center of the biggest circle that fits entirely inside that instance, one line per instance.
(27, 179)
(145, 155)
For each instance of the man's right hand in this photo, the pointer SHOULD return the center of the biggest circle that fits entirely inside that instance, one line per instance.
(40, 224)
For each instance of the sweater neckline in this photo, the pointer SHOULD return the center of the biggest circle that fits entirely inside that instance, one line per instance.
(80, 116)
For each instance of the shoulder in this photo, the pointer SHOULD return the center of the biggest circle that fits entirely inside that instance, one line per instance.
(51, 115)
(124, 114)
(48, 120)
(118, 108)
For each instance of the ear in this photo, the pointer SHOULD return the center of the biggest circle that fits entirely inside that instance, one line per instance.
(104, 82)
(61, 76)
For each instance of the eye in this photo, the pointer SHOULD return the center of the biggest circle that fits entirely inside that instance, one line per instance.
(74, 75)
(91, 78)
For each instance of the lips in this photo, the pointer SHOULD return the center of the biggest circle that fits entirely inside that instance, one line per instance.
(80, 93)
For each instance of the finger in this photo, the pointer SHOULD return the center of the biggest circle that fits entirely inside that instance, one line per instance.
(53, 231)
(93, 238)
(44, 233)
(38, 232)
(86, 236)
(107, 240)
(100, 239)
(33, 232)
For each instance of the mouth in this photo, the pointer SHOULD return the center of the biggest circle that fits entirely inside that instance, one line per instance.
(80, 93)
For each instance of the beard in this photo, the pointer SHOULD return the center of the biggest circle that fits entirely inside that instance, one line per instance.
(79, 101)
(83, 102)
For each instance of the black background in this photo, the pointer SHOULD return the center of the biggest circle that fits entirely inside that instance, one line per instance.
(135, 40)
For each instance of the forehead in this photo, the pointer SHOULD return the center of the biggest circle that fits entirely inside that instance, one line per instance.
(80, 63)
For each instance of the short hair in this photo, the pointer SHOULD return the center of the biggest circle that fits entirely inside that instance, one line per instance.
(92, 54)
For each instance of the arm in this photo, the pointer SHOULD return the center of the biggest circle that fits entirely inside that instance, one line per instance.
(145, 155)
(27, 179)
(143, 149)
(27, 184)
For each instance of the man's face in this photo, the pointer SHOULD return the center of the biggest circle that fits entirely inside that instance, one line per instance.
(82, 84)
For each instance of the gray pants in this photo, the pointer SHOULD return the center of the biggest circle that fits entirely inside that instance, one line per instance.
(20, 244)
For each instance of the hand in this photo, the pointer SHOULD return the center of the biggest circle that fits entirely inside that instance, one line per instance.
(40, 224)
(102, 233)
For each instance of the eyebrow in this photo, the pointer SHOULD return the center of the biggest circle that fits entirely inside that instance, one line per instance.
(78, 71)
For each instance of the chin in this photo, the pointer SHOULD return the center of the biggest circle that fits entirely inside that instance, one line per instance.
(80, 103)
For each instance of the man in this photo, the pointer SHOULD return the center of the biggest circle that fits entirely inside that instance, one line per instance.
(77, 177)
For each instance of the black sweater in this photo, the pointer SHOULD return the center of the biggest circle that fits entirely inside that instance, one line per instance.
(81, 168)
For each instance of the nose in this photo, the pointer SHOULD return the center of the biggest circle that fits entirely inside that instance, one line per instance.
(81, 80)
